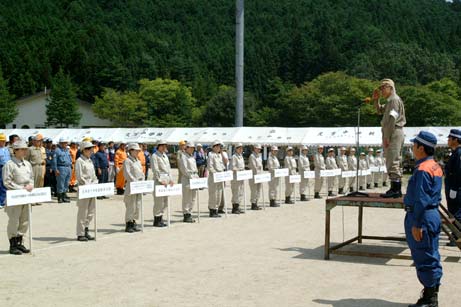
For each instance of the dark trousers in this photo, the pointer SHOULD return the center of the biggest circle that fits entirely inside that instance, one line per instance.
(50, 180)
(104, 177)
(2, 188)
(425, 253)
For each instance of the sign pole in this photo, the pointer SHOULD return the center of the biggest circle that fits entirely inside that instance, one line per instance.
(142, 212)
(169, 211)
(29, 207)
(224, 198)
(244, 197)
(198, 205)
(264, 200)
(95, 220)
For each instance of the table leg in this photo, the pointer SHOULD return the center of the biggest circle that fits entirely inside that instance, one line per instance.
(327, 235)
(360, 224)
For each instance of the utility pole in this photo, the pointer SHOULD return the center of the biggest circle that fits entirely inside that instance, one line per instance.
(239, 26)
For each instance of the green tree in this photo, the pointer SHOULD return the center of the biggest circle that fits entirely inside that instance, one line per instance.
(122, 109)
(62, 106)
(8, 110)
(169, 103)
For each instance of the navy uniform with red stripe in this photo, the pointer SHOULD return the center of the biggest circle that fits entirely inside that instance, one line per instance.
(422, 220)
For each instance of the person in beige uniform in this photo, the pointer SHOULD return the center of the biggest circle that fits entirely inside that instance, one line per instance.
(392, 125)
(237, 164)
(215, 190)
(161, 172)
(36, 155)
(85, 174)
(255, 163)
(341, 161)
(290, 163)
(17, 174)
(370, 162)
(385, 176)
(181, 150)
(304, 165)
(378, 163)
(330, 163)
(188, 167)
(273, 164)
(352, 165)
(363, 165)
(319, 164)
(132, 170)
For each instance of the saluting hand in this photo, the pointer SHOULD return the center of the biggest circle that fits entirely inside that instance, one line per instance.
(417, 233)
(375, 94)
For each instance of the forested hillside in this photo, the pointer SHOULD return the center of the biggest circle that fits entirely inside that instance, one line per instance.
(114, 44)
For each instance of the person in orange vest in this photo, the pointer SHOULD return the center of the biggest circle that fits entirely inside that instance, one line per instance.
(142, 158)
(120, 157)
(73, 154)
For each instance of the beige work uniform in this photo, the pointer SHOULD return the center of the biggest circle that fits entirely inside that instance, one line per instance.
(16, 175)
(237, 164)
(215, 190)
(363, 165)
(85, 174)
(255, 163)
(392, 125)
(273, 164)
(378, 176)
(37, 158)
(352, 163)
(179, 154)
(370, 162)
(290, 163)
(341, 161)
(319, 164)
(161, 172)
(304, 165)
(385, 175)
(330, 163)
(188, 167)
(133, 171)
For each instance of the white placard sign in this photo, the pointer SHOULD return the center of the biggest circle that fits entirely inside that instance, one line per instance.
(95, 190)
(198, 183)
(244, 175)
(309, 174)
(383, 169)
(138, 187)
(223, 176)
(364, 172)
(264, 177)
(348, 174)
(337, 171)
(374, 169)
(295, 178)
(22, 197)
(281, 172)
(161, 190)
(327, 173)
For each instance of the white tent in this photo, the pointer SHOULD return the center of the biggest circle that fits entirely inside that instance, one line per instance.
(329, 136)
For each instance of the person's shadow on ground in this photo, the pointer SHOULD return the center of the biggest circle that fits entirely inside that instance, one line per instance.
(352, 302)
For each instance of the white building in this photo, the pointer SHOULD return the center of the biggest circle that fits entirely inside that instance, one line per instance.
(32, 113)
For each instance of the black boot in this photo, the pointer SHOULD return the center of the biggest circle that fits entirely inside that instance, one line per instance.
(395, 191)
(129, 227)
(330, 193)
(120, 191)
(64, 198)
(384, 184)
(87, 234)
(341, 191)
(368, 185)
(304, 197)
(82, 239)
(214, 213)
(158, 221)
(351, 189)
(236, 209)
(317, 195)
(221, 211)
(188, 218)
(273, 203)
(60, 200)
(429, 298)
(376, 184)
(14, 250)
(361, 188)
(254, 206)
(20, 246)
(288, 200)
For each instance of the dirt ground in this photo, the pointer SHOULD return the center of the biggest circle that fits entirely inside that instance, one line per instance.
(273, 257)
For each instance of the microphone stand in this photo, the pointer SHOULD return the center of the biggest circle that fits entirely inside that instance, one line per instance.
(356, 193)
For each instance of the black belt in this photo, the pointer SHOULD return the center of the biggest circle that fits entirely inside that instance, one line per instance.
(410, 209)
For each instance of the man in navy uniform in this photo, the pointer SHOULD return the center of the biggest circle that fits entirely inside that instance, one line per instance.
(62, 167)
(453, 177)
(422, 220)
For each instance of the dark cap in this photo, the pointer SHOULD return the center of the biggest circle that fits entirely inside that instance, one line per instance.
(456, 133)
(425, 138)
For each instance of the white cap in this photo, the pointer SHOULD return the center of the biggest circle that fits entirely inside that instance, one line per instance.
(289, 148)
(217, 142)
(273, 147)
(370, 149)
(352, 149)
(320, 146)
(133, 146)
(190, 144)
(343, 148)
(303, 147)
(161, 142)
(330, 149)
(20, 144)
(257, 146)
(63, 140)
(86, 144)
(199, 145)
(378, 150)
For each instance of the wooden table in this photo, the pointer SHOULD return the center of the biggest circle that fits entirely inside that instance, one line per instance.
(373, 201)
